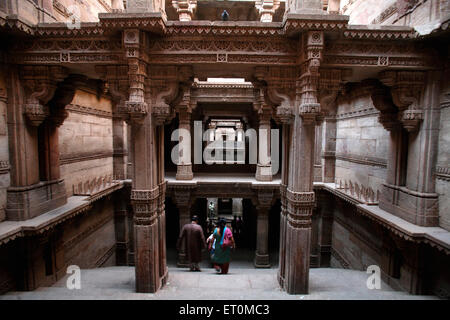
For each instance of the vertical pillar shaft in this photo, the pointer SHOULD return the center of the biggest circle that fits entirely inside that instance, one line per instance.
(329, 150)
(262, 237)
(161, 208)
(144, 198)
(119, 148)
(184, 166)
(264, 167)
(122, 230)
(283, 188)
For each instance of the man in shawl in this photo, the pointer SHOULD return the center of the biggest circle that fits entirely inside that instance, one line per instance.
(192, 237)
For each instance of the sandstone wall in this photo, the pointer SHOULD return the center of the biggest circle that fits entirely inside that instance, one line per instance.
(424, 15)
(4, 151)
(361, 143)
(86, 140)
(443, 159)
(89, 240)
(43, 11)
(358, 242)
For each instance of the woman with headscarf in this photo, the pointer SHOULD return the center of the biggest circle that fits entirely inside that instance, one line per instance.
(222, 247)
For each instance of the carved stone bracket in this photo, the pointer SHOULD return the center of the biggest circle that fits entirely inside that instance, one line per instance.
(164, 91)
(117, 84)
(40, 84)
(279, 90)
(331, 83)
(406, 90)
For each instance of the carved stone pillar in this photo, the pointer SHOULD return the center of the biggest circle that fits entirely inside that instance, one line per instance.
(143, 6)
(185, 9)
(184, 165)
(299, 194)
(266, 9)
(264, 166)
(263, 206)
(182, 200)
(304, 6)
(334, 6)
(146, 235)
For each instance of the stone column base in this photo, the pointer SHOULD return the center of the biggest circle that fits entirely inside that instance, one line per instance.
(262, 261)
(24, 203)
(263, 173)
(415, 207)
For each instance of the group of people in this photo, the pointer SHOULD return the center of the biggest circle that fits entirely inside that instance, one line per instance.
(219, 244)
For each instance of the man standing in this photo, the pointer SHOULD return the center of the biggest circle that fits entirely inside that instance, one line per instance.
(192, 237)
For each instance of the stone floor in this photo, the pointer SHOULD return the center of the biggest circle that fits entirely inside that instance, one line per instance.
(243, 282)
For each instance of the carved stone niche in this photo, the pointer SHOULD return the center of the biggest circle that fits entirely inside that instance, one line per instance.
(406, 90)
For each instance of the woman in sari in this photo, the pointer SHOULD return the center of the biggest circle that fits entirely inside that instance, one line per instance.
(224, 241)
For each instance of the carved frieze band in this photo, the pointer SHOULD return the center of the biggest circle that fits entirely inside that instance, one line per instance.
(145, 206)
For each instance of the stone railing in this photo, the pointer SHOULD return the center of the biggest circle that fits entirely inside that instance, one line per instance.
(94, 185)
(360, 193)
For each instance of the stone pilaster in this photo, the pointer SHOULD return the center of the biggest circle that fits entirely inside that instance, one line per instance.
(263, 206)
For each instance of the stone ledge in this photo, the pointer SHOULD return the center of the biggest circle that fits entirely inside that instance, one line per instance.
(10, 230)
(434, 236)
